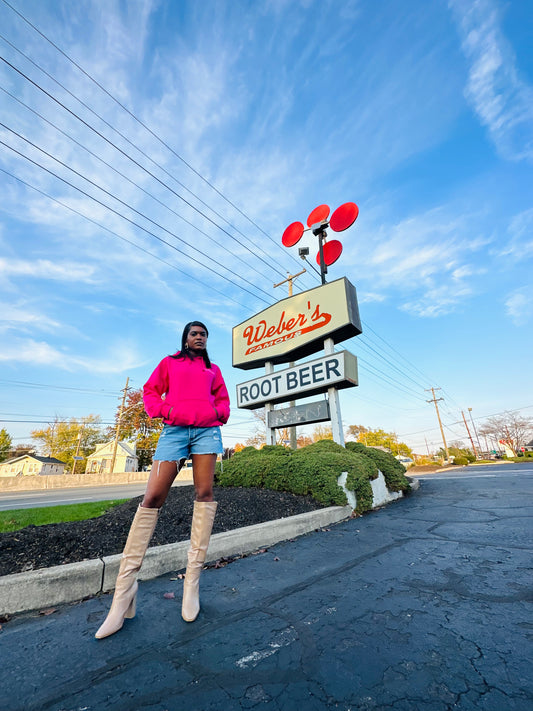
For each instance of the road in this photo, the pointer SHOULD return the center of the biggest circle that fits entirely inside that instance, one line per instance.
(71, 495)
(423, 605)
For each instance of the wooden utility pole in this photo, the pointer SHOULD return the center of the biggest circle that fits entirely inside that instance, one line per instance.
(293, 438)
(117, 433)
(77, 450)
(434, 400)
(470, 436)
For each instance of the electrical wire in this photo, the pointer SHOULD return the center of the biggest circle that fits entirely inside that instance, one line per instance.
(132, 222)
(133, 209)
(125, 177)
(115, 234)
(143, 153)
(141, 123)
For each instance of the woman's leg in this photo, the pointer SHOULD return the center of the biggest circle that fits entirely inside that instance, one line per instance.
(203, 471)
(202, 524)
(161, 478)
(142, 528)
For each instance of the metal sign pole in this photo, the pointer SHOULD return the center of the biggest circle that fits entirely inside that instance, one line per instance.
(270, 434)
(334, 401)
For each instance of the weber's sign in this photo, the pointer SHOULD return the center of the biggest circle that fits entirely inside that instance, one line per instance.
(296, 327)
(316, 376)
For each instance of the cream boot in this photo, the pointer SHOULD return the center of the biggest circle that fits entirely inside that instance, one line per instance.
(123, 605)
(202, 524)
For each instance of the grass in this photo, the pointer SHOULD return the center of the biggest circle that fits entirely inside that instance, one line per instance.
(15, 519)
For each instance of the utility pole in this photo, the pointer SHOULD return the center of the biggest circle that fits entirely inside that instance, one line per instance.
(77, 450)
(470, 436)
(117, 433)
(293, 438)
(475, 431)
(435, 401)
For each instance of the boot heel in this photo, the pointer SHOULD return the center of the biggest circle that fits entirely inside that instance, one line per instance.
(130, 612)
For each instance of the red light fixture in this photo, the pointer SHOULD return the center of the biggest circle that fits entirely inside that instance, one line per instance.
(328, 252)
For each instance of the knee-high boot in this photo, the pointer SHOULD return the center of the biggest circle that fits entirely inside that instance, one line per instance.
(123, 605)
(202, 524)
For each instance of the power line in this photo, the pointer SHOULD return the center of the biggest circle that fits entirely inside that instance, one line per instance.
(130, 207)
(132, 222)
(139, 150)
(123, 175)
(115, 234)
(130, 113)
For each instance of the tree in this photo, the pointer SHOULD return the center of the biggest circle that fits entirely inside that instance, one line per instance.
(511, 427)
(137, 426)
(355, 430)
(65, 439)
(321, 432)
(5, 444)
(258, 438)
(380, 438)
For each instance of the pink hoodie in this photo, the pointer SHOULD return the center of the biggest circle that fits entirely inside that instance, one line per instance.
(185, 392)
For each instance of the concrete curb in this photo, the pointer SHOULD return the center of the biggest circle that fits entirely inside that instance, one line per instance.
(40, 589)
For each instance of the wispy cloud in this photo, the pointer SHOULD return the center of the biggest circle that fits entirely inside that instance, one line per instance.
(501, 98)
(119, 357)
(20, 317)
(46, 269)
(519, 306)
(520, 231)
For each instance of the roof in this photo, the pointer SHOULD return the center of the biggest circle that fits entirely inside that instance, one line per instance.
(128, 448)
(43, 460)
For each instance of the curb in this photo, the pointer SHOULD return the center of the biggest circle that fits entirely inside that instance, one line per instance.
(40, 589)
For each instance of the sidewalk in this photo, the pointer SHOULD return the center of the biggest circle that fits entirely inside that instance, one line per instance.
(424, 605)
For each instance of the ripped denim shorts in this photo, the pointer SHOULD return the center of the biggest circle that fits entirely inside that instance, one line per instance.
(177, 442)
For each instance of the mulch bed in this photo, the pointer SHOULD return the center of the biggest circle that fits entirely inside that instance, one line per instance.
(37, 547)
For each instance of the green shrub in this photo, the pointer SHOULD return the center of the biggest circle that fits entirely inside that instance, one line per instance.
(313, 470)
(393, 471)
(460, 461)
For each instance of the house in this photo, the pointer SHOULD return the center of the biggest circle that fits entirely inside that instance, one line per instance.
(32, 465)
(100, 460)
(529, 446)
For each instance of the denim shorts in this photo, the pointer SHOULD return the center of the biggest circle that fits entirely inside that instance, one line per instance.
(177, 443)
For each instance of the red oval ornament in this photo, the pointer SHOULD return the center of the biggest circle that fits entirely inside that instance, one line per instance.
(332, 251)
(344, 217)
(319, 214)
(292, 234)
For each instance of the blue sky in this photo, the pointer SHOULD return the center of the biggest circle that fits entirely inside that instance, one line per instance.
(421, 113)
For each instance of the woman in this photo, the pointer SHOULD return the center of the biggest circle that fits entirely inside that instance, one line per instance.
(189, 393)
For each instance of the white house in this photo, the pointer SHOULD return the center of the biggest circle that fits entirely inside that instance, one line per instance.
(31, 465)
(100, 460)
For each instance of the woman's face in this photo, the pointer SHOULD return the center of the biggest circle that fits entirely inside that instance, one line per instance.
(197, 338)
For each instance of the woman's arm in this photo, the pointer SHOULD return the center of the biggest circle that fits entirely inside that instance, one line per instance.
(220, 392)
(154, 388)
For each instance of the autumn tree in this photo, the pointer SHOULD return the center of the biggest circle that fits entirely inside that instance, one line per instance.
(258, 438)
(136, 426)
(511, 427)
(321, 432)
(380, 438)
(355, 430)
(5, 444)
(65, 439)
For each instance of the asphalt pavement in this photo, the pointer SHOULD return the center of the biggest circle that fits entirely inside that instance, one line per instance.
(423, 605)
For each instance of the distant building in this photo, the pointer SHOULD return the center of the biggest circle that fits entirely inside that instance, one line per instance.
(99, 462)
(32, 465)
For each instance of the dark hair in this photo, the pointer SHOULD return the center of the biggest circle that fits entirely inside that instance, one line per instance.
(185, 352)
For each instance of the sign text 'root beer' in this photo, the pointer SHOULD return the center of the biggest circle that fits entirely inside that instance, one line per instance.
(310, 378)
(264, 336)
(296, 327)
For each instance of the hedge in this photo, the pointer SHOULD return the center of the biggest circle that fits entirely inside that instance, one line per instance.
(314, 470)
